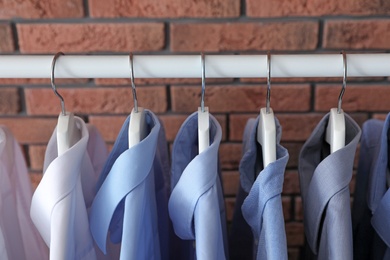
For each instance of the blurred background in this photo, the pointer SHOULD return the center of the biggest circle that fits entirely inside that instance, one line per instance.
(30, 109)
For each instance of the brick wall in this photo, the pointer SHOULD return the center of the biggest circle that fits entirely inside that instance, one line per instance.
(29, 108)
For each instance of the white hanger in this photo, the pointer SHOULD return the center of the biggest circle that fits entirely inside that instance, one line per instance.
(335, 131)
(266, 129)
(67, 131)
(137, 125)
(203, 115)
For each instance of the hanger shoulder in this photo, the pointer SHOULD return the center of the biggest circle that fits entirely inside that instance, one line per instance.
(67, 132)
(137, 127)
(203, 129)
(335, 131)
(266, 136)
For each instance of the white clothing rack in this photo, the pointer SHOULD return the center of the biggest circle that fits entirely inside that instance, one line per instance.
(189, 66)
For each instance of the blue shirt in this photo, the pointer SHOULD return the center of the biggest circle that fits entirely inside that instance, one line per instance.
(196, 205)
(259, 204)
(372, 210)
(324, 180)
(131, 204)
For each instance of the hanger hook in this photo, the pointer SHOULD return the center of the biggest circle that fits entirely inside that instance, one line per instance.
(53, 86)
(268, 100)
(344, 81)
(203, 81)
(132, 83)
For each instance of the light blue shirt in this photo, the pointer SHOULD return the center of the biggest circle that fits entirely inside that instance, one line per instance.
(131, 204)
(196, 205)
(259, 201)
(324, 180)
(374, 169)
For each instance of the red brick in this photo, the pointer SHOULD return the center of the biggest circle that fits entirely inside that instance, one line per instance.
(293, 149)
(230, 155)
(362, 34)
(356, 98)
(237, 123)
(231, 182)
(24, 151)
(109, 147)
(295, 234)
(114, 37)
(108, 126)
(172, 124)
(379, 116)
(41, 101)
(9, 101)
(298, 209)
(35, 179)
(360, 118)
(30, 130)
(164, 81)
(216, 37)
(6, 38)
(352, 184)
(164, 8)
(41, 9)
(291, 183)
(241, 98)
(286, 203)
(356, 159)
(294, 254)
(298, 127)
(280, 8)
(37, 156)
(229, 207)
(40, 81)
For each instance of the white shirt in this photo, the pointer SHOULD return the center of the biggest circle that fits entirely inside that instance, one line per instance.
(60, 202)
(19, 238)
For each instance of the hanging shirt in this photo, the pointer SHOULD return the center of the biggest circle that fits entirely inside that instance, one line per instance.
(259, 201)
(60, 202)
(196, 205)
(372, 224)
(19, 238)
(324, 180)
(367, 245)
(131, 204)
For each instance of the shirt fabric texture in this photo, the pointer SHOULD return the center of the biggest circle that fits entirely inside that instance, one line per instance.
(259, 203)
(324, 180)
(60, 203)
(372, 208)
(131, 203)
(19, 239)
(196, 205)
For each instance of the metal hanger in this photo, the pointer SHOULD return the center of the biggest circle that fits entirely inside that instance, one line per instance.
(135, 100)
(137, 125)
(266, 129)
(203, 113)
(53, 86)
(268, 98)
(203, 82)
(344, 81)
(335, 131)
(67, 131)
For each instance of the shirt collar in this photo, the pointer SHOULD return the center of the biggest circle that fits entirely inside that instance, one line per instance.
(322, 175)
(251, 163)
